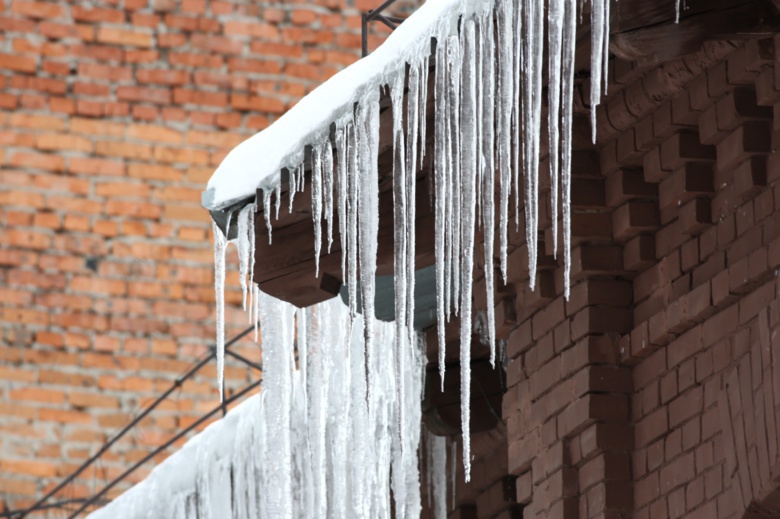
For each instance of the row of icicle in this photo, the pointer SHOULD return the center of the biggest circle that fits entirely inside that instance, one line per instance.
(310, 444)
(488, 89)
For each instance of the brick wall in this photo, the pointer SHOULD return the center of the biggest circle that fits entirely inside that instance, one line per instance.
(653, 392)
(113, 114)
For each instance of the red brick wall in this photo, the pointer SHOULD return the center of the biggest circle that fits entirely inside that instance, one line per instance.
(112, 118)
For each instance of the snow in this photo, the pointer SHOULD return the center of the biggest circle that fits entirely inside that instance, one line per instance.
(257, 162)
(488, 89)
(305, 446)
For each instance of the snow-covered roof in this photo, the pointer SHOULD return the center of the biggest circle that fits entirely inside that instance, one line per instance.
(257, 161)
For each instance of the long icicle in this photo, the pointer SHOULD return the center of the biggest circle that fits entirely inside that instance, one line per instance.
(468, 201)
(413, 111)
(488, 189)
(454, 61)
(504, 134)
(555, 40)
(220, 246)
(441, 185)
(596, 58)
(368, 208)
(342, 183)
(316, 204)
(242, 241)
(569, 49)
(400, 222)
(327, 186)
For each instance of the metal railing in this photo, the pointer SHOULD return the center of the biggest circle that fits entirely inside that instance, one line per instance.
(97, 498)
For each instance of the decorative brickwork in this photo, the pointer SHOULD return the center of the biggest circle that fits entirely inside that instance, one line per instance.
(650, 393)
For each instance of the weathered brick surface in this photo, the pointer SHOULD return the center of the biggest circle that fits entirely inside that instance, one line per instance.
(676, 416)
(112, 117)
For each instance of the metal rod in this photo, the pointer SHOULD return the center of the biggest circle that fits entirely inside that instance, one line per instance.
(373, 12)
(176, 384)
(245, 360)
(376, 14)
(164, 446)
(58, 504)
(385, 21)
(364, 34)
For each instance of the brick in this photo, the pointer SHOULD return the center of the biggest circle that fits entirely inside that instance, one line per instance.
(124, 36)
(690, 181)
(634, 218)
(150, 171)
(695, 216)
(18, 63)
(682, 148)
(143, 94)
(753, 138)
(159, 134)
(750, 177)
(199, 97)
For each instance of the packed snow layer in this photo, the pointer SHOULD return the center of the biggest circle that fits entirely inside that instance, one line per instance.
(257, 162)
(488, 90)
(310, 444)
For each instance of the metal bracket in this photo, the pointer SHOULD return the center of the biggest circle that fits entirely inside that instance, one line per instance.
(376, 14)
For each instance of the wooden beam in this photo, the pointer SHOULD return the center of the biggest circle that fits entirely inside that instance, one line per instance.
(647, 30)
(285, 268)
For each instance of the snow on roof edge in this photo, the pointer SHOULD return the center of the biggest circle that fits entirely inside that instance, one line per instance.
(258, 161)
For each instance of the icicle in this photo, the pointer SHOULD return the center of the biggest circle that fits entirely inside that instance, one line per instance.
(504, 110)
(568, 52)
(243, 250)
(555, 41)
(400, 224)
(342, 188)
(423, 105)
(518, 104)
(293, 186)
(277, 322)
(454, 63)
(359, 427)
(317, 386)
(440, 214)
(598, 32)
(413, 111)
(267, 212)
(352, 230)
(468, 200)
(220, 246)
(488, 172)
(316, 204)
(252, 249)
(532, 110)
(449, 172)
(605, 61)
(278, 195)
(677, 11)
(327, 175)
(256, 318)
(368, 207)
(438, 447)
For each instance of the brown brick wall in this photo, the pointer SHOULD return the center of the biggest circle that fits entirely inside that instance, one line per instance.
(653, 392)
(113, 114)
